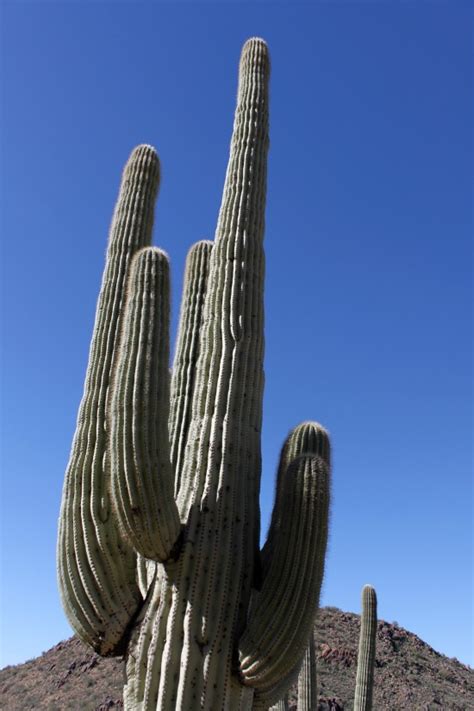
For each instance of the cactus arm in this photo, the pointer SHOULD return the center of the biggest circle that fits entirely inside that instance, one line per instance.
(183, 374)
(142, 488)
(305, 438)
(187, 352)
(96, 569)
(282, 620)
(307, 683)
(366, 655)
(265, 699)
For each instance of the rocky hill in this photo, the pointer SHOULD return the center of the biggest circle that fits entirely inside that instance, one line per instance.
(409, 674)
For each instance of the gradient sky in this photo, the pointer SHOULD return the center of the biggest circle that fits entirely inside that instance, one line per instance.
(368, 286)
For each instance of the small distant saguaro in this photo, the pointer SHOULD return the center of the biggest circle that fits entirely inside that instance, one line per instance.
(366, 656)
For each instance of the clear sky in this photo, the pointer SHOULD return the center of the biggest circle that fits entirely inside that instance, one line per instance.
(368, 286)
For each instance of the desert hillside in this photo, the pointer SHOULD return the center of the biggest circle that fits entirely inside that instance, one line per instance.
(409, 674)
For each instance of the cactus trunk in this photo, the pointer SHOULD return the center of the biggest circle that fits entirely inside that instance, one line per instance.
(366, 656)
(201, 594)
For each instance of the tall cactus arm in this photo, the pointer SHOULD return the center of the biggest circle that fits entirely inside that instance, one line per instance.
(307, 683)
(366, 656)
(96, 568)
(282, 619)
(183, 378)
(141, 475)
(305, 438)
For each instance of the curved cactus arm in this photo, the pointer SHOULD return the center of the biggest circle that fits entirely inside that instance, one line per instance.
(270, 696)
(142, 486)
(183, 377)
(307, 683)
(282, 619)
(366, 656)
(96, 568)
(306, 438)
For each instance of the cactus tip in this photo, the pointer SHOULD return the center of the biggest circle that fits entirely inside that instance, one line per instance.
(255, 49)
(145, 156)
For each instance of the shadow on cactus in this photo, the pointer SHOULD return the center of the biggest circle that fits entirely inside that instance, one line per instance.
(158, 550)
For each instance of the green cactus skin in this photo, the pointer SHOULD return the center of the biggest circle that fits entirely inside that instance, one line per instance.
(307, 682)
(188, 504)
(182, 377)
(141, 475)
(187, 351)
(96, 568)
(266, 699)
(282, 619)
(281, 705)
(366, 655)
(306, 438)
(183, 654)
(305, 462)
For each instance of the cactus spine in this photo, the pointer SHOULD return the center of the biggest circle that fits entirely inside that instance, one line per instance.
(366, 656)
(158, 541)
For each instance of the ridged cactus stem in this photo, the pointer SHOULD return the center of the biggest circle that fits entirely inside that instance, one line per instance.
(307, 682)
(183, 373)
(282, 619)
(279, 626)
(141, 473)
(186, 642)
(306, 438)
(183, 381)
(366, 656)
(96, 567)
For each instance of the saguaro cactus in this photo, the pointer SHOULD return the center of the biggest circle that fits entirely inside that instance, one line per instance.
(158, 541)
(307, 683)
(366, 656)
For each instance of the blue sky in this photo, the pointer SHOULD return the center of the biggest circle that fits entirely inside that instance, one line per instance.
(368, 285)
